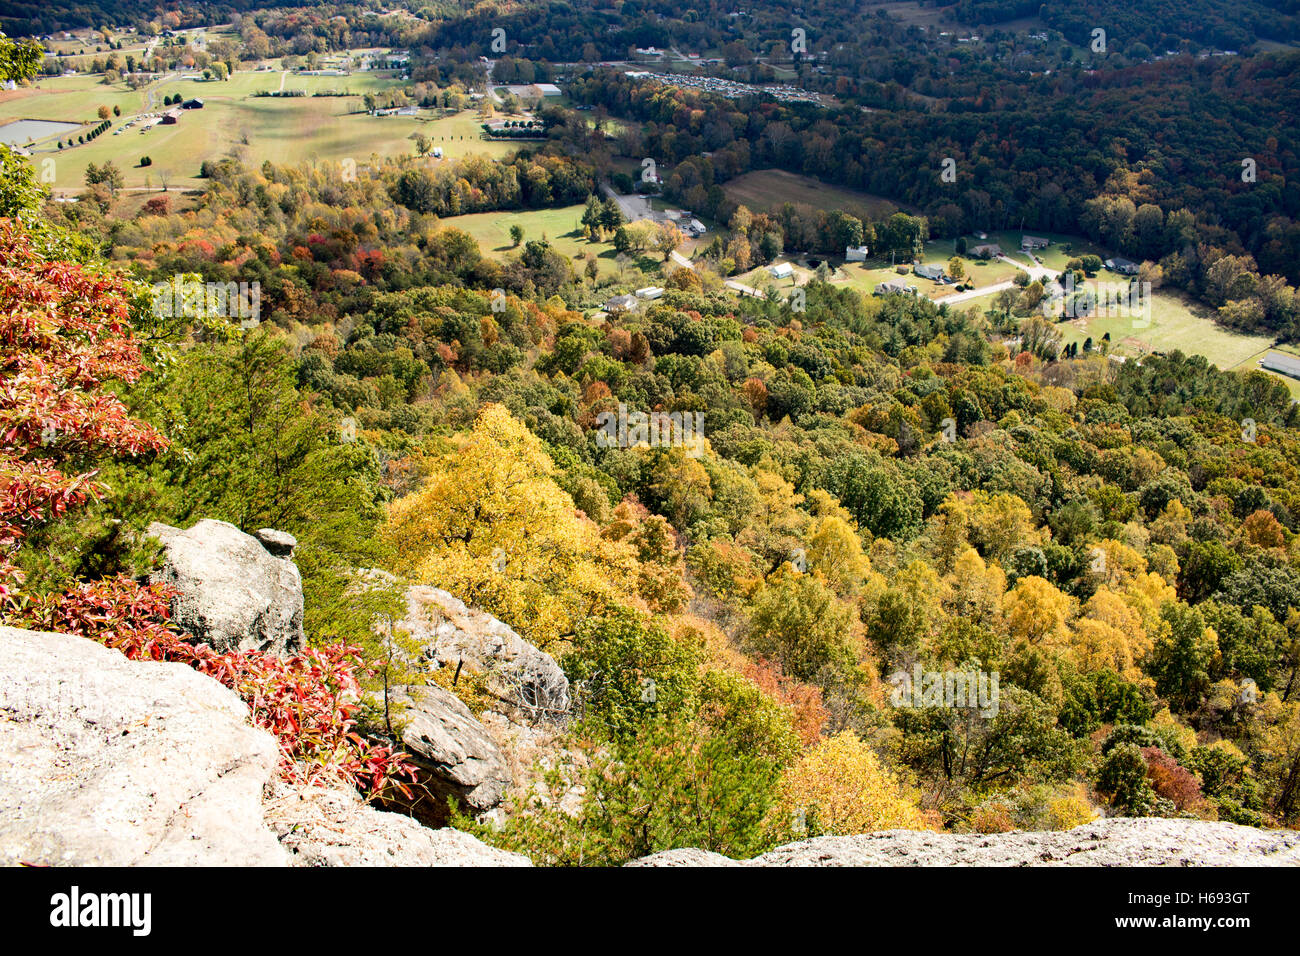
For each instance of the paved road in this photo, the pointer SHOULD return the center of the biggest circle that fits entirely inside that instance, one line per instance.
(973, 293)
(1035, 272)
(744, 289)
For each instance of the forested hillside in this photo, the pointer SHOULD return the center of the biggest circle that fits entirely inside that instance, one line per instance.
(1112, 541)
(917, 568)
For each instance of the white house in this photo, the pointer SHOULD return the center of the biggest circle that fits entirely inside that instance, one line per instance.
(782, 270)
(621, 303)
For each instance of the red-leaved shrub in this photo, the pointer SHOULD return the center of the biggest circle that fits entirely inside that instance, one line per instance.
(64, 332)
(1171, 779)
(308, 701)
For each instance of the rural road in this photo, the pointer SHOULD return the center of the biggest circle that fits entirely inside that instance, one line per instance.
(973, 293)
(1035, 272)
(744, 289)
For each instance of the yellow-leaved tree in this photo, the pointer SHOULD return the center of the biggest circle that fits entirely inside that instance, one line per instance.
(491, 526)
(840, 787)
(1036, 612)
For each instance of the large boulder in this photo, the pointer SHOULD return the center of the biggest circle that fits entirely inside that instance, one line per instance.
(526, 684)
(1150, 841)
(236, 591)
(106, 761)
(333, 828)
(455, 755)
(110, 762)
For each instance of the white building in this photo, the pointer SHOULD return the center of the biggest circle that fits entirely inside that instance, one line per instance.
(649, 292)
(782, 270)
(855, 253)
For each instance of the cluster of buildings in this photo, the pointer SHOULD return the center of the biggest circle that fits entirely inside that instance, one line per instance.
(630, 303)
(890, 286)
(690, 226)
(532, 91)
(728, 88)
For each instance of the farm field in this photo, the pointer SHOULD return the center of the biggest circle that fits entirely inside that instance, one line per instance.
(281, 129)
(69, 99)
(768, 189)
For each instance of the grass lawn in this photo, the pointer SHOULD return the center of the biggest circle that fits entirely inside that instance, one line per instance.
(981, 303)
(561, 227)
(1176, 323)
(1063, 248)
(280, 129)
(865, 276)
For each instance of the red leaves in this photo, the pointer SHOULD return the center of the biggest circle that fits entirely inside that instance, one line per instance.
(309, 702)
(63, 332)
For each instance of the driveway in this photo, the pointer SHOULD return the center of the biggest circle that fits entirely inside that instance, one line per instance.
(634, 208)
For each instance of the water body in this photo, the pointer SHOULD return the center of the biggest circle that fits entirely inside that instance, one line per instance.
(22, 132)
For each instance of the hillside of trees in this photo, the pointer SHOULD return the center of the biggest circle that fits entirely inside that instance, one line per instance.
(884, 487)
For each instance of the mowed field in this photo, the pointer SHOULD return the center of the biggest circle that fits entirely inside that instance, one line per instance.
(287, 130)
(561, 227)
(1176, 323)
(769, 189)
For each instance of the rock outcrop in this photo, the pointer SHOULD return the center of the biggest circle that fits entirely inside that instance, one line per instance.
(455, 754)
(110, 762)
(106, 761)
(1115, 842)
(236, 591)
(333, 828)
(527, 685)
